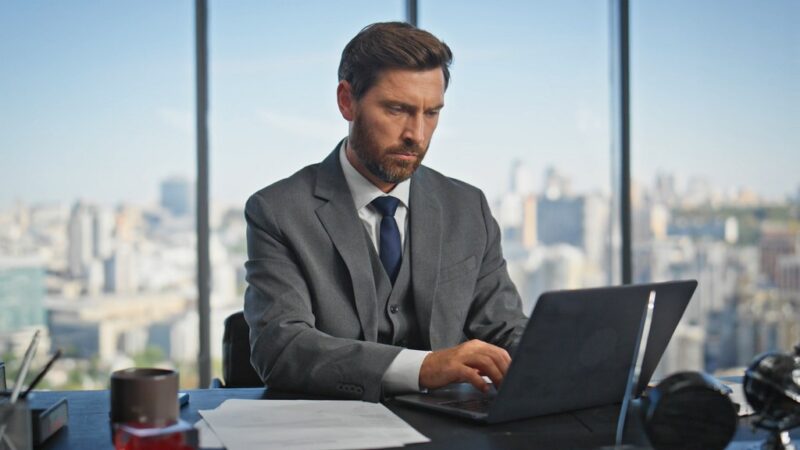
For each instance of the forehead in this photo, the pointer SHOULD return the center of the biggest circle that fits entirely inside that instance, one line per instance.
(409, 85)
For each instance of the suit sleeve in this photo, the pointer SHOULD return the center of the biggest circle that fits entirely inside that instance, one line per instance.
(287, 351)
(495, 315)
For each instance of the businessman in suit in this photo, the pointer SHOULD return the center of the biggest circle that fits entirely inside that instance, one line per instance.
(368, 273)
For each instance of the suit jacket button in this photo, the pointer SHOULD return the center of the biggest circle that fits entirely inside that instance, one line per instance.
(394, 309)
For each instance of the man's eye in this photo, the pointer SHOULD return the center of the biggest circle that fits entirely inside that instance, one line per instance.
(433, 113)
(395, 109)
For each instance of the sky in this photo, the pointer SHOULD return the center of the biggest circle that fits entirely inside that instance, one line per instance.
(97, 98)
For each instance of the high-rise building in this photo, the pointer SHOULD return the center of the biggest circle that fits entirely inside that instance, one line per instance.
(776, 242)
(80, 251)
(510, 217)
(731, 230)
(684, 352)
(89, 241)
(596, 229)
(650, 221)
(176, 196)
(561, 220)
(549, 268)
(522, 181)
(788, 273)
(102, 231)
(529, 232)
(556, 184)
(121, 276)
(22, 291)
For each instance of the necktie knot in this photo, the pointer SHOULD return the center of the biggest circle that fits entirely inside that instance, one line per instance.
(386, 205)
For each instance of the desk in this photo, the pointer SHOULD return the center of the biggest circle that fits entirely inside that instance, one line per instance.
(88, 424)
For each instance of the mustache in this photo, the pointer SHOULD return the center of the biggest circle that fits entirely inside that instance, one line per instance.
(407, 149)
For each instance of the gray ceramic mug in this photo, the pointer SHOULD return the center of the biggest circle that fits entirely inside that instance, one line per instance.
(144, 397)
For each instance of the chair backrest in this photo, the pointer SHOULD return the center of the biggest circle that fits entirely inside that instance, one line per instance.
(236, 368)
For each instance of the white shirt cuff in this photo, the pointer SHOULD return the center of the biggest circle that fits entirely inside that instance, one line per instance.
(403, 373)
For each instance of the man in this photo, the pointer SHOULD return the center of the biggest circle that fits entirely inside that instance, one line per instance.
(361, 264)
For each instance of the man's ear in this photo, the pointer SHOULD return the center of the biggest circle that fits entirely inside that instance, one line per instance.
(344, 98)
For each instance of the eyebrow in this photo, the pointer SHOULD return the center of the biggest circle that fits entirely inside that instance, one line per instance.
(409, 106)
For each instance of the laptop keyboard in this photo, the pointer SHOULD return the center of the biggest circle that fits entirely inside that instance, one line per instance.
(480, 405)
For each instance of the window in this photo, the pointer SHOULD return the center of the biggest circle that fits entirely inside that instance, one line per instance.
(273, 71)
(715, 108)
(527, 120)
(97, 239)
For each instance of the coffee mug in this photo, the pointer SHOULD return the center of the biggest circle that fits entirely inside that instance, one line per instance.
(144, 397)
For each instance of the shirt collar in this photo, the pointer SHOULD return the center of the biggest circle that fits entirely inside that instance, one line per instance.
(362, 190)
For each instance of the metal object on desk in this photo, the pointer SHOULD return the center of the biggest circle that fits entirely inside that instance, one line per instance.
(772, 387)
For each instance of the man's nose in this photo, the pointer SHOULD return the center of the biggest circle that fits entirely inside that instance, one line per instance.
(414, 129)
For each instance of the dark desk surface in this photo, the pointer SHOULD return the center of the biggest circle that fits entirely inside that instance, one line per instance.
(88, 424)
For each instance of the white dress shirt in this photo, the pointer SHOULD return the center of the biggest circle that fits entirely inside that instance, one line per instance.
(403, 373)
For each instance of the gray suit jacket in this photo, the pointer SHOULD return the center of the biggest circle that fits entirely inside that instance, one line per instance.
(311, 303)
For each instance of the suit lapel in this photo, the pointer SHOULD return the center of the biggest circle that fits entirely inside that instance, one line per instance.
(341, 222)
(426, 248)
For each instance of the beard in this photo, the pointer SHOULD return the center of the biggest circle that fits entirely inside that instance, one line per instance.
(378, 161)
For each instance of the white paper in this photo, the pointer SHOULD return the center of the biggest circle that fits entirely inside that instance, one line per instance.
(308, 424)
(206, 435)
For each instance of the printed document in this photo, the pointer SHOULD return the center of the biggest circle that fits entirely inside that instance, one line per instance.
(308, 424)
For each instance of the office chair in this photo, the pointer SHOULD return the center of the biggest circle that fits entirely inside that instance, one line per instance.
(236, 368)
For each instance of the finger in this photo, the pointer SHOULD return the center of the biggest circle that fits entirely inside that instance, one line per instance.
(486, 366)
(506, 356)
(500, 358)
(498, 354)
(472, 377)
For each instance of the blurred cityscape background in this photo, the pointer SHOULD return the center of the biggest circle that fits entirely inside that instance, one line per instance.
(97, 197)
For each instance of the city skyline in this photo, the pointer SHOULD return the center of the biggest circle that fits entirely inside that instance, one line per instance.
(537, 180)
(96, 269)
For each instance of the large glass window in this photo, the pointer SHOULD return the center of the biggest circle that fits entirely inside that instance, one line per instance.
(715, 108)
(273, 111)
(527, 121)
(97, 237)
(97, 240)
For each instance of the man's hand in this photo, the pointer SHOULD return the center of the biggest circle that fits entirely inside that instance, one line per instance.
(465, 362)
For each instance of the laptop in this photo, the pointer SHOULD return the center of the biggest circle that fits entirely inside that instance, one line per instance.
(576, 352)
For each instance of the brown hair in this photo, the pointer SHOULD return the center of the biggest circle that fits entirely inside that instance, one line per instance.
(391, 45)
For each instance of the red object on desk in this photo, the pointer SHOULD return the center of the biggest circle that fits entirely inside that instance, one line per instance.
(179, 436)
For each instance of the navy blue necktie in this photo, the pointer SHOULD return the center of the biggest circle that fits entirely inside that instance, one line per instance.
(390, 251)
